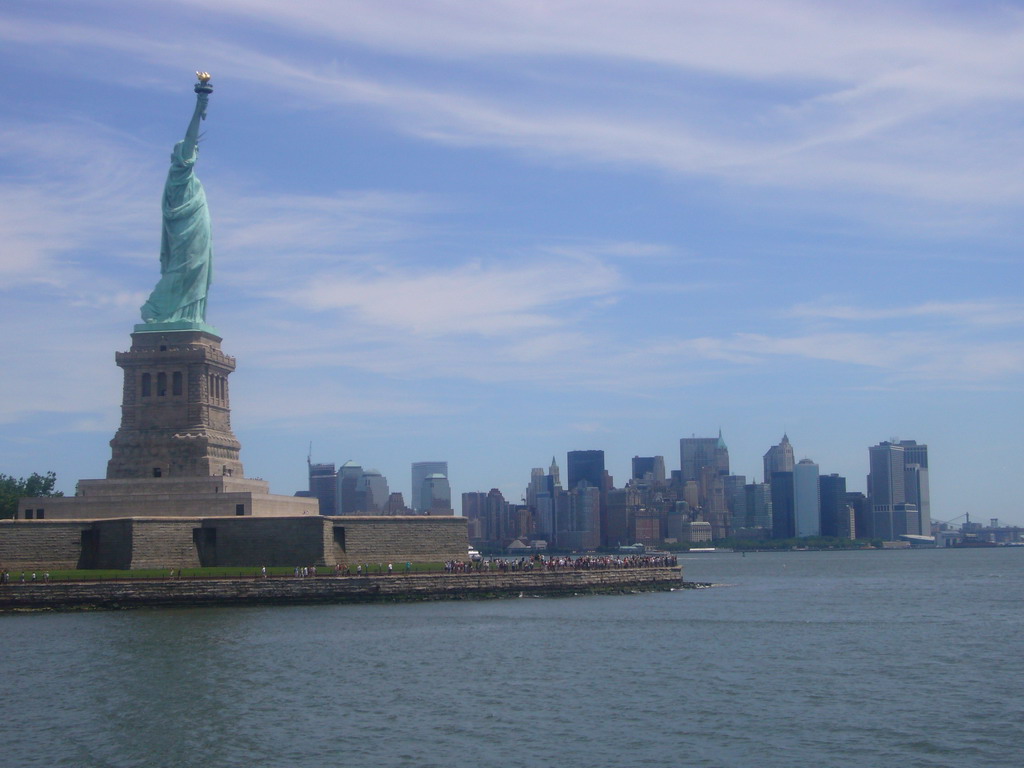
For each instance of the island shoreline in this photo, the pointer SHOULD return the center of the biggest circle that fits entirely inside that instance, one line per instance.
(143, 593)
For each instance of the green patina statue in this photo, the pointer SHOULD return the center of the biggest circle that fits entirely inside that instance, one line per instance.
(186, 251)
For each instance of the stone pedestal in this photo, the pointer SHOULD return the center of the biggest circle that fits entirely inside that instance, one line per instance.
(175, 409)
(174, 454)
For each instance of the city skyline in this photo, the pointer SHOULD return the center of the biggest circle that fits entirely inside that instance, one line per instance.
(492, 234)
(696, 454)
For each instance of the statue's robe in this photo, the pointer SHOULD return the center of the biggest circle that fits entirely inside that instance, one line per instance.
(186, 249)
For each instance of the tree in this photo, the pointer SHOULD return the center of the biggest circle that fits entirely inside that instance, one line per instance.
(14, 488)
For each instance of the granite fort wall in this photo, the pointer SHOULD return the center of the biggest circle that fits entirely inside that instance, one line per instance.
(189, 542)
(265, 541)
(257, 591)
(157, 543)
(53, 545)
(400, 539)
(107, 545)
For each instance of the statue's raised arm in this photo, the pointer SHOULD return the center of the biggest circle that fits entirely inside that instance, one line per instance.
(192, 133)
(186, 252)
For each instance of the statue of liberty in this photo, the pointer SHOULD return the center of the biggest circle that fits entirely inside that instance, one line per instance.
(186, 251)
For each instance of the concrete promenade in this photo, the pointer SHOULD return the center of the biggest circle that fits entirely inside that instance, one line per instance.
(333, 589)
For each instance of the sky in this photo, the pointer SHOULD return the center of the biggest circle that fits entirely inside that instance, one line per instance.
(492, 233)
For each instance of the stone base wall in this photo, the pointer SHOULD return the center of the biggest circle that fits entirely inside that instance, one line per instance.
(56, 545)
(173, 497)
(156, 542)
(190, 542)
(266, 541)
(258, 591)
(416, 539)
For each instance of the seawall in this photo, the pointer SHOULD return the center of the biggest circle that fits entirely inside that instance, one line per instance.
(330, 589)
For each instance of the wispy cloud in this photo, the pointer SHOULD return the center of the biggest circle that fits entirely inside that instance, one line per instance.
(906, 357)
(899, 101)
(471, 299)
(987, 313)
(68, 187)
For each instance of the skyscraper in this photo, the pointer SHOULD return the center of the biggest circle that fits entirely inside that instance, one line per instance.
(913, 453)
(372, 489)
(736, 500)
(915, 487)
(436, 494)
(835, 511)
(783, 506)
(548, 500)
(473, 505)
(779, 458)
(915, 483)
(759, 506)
(322, 480)
(806, 502)
(623, 505)
(350, 500)
(578, 527)
(695, 453)
(652, 465)
(553, 472)
(586, 465)
(885, 488)
(420, 471)
(496, 512)
(536, 486)
(861, 506)
(898, 489)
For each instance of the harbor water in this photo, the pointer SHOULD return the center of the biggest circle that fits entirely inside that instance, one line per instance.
(909, 658)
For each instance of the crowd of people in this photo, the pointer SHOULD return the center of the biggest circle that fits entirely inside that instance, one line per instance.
(5, 577)
(561, 563)
(606, 562)
(479, 565)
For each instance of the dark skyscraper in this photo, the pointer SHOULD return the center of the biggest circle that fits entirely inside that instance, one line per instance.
(835, 514)
(655, 465)
(589, 466)
(861, 507)
(759, 506)
(783, 506)
(322, 479)
(586, 465)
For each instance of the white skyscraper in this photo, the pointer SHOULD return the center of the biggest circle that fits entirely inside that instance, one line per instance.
(420, 471)
(436, 494)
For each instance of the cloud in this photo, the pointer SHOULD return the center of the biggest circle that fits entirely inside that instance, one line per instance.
(476, 299)
(977, 312)
(913, 102)
(900, 356)
(71, 186)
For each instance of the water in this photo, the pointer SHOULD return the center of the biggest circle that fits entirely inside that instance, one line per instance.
(806, 659)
